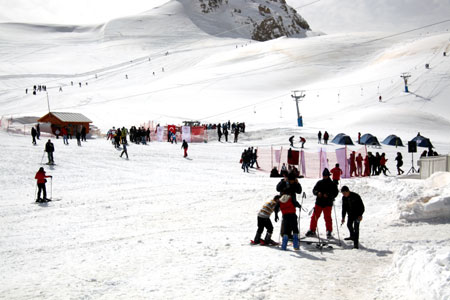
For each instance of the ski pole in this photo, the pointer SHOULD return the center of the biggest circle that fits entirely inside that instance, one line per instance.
(337, 227)
(300, 211)
(51, 188)
(35, 191)
(42, 159)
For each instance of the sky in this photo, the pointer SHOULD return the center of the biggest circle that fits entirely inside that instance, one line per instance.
(329, 16)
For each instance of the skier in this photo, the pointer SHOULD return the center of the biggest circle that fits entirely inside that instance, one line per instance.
(264, 222)
(40, 177)
(366, 166)
(38, 130)
(359, 138)
(225, 133)
(353, 206)
(185, 147)
(383, 161)
(337, 172)
(303, 141)
(325, 190)
(359, 160)
(83, 133)
(289, 185)
(219, 132)
(399, 160)
(289, 224)
(291, 141)
(325, 137)
(124, 145)
(49, 148)
(33, 135)
(236, 134)
(64, 134)
(78, 136)
(380, 98)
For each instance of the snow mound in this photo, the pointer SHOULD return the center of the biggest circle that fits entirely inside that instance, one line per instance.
(432, 202)
(426, 271)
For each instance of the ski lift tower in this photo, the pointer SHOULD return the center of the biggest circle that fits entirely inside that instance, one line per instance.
(405, 77)
(298, 98)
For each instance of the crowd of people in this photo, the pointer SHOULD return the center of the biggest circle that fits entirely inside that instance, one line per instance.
(325, 192)
(249, 158)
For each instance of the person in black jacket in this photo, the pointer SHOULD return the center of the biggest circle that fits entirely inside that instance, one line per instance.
(353, 206)
(49, 148)
(33, 135)
(326, 191)
(289, 185)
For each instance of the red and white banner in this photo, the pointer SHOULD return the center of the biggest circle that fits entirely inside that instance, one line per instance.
(172, 128)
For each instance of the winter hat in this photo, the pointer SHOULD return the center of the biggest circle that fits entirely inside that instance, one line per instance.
(345, 189)
(291, 176)
(326, 172)
(285, 198)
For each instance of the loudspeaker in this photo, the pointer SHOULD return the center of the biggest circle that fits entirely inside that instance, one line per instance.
(412, 147)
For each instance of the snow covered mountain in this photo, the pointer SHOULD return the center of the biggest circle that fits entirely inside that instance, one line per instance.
(259, 20)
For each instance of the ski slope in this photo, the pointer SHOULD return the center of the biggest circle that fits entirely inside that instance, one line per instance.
(159, 226)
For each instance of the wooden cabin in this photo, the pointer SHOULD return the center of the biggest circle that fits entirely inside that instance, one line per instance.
(72, 121)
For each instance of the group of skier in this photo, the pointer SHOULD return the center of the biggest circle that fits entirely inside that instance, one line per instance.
(225, 128)
(325, 192)
(249, 158)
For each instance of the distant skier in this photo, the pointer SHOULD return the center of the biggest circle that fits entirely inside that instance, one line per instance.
(83, 133)
(326, 136)
(352, 163)
(303, 141)
(40, 177)
(124, 147)
(33, 135)
(50, 148)
(359, 160)
(326, 191)
(353, 206)
(380, 98)
(225, 133)
(399, 160)
(383, 162)
(337, 173)
(319, 137)
(264, 222)
(236, 134)
(359, 137)
(78, 136)
(64, 135)
(185, 147)
(219, 131)
(38, 130)
(291, 141)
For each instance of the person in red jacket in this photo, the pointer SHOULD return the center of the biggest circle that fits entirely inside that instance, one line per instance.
(40, 177)
(383, 161)
(287, 205)
(366, 166)
(64, 134)
(337, 172)
(359, 160)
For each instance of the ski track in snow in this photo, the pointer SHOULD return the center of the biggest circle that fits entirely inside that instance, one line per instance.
(160, 226)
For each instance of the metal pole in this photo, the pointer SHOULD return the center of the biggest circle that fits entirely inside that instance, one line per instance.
(48, 103)
(337, 226)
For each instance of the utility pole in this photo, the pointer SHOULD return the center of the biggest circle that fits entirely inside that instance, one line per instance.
(48, 103)
(405, 77)
(298, 98)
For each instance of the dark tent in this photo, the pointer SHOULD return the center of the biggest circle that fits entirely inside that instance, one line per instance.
(422, 141)
(369, 139)
(343, 140)
(393, 140)
(372, 141)
(337, 137)
(426, 143)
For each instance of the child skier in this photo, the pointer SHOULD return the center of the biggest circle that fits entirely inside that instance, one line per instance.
(264, 222)
(288, 210)
(40, 177)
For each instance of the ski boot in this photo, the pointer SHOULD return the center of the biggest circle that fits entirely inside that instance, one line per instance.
(329, 235)
(296, 243)
(285, 242)
(310, 233)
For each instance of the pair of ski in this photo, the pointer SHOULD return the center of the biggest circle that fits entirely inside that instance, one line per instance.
(47, 201)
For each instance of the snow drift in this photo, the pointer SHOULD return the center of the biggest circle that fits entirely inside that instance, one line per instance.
(431, 202)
